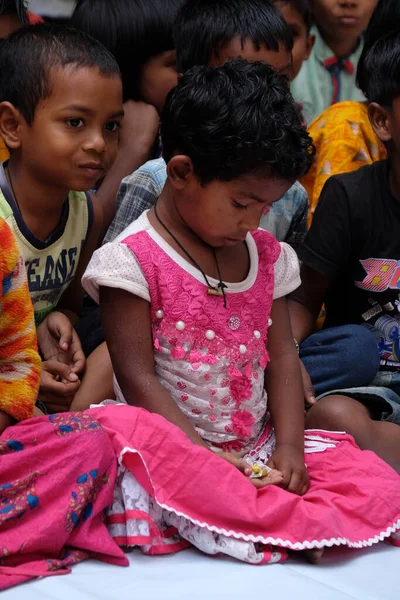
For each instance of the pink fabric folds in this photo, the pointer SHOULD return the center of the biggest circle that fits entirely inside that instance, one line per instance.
(353, 499)
(57, 476)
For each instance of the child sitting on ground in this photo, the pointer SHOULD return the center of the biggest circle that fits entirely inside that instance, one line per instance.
(60, 111)
(193, 303)
(139, 34)
(350, 261)
(329, 75)
(19, 358)
(206, 32)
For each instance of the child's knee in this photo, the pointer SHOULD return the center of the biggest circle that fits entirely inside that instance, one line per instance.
(338, 413)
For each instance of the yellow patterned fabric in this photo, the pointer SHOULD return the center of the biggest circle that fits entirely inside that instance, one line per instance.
(19, 359)
(4, 154)
(345, 141)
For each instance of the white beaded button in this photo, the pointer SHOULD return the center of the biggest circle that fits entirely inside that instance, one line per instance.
(160, 314)
(269, 322)
(242, 349)
(210, 334)
(234, 323)
(257, 334)
(180, 325)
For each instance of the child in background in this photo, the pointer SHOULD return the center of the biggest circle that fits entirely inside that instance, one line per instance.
(342, 134)
(19, 358)
(352, 252)
(139, 34)
(329, 75)
(298, 16)
(191, 295)
(13, 15)
(209, 33)
(60, 111)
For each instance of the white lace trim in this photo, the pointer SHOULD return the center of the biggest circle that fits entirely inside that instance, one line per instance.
(305, 545)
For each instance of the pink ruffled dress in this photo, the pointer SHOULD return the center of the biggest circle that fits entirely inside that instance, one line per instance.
(212, 360)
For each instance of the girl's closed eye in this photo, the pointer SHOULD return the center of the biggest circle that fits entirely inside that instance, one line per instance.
(238, 205)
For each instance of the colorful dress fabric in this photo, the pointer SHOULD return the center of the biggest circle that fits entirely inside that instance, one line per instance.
(19, 358)
(345, 141)
(57, 476)
(212, 361)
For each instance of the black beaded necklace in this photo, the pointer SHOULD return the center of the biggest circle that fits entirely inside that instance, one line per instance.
(211, 290)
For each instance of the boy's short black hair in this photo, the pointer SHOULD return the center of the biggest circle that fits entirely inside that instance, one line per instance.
(203, 27)
(14, 7)
(378, 73)
(235, 120)
(302, 7)
(385, 18)
(29, 54)
(133, 30)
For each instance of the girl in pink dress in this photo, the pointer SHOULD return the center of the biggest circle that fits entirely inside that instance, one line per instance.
(194, 310)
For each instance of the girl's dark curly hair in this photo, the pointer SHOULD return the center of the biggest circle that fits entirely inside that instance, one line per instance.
(234, 120)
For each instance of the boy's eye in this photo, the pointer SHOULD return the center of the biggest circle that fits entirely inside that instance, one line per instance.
(112, 126)
(75, 122)
(239, 206)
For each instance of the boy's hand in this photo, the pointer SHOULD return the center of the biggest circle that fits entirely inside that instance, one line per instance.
(140, 126)
(309, 394)
(59, 342)
(290, 461)
(273, 478)
(58, 386)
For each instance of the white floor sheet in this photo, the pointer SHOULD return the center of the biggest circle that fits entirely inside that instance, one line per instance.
(371, 574)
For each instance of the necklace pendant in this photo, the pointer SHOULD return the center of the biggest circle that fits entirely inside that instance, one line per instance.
(214, 292)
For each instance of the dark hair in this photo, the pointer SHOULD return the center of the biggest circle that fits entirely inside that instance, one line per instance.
(133, 30)
(203, 27)
(29, 54)
(236, 119)
(385, 19)
(378, 73)
(302, 7)
(14, 7)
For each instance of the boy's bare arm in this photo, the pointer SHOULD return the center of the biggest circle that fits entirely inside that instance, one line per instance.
(72, 299)
(306, 302)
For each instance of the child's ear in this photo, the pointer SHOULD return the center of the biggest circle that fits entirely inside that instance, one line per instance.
(380, 121)
(10, 125)
(180, 171)
(309, 46)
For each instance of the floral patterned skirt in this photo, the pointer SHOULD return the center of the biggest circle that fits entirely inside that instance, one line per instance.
(57, 477)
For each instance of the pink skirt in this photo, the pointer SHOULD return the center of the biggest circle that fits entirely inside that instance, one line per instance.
(171, 494)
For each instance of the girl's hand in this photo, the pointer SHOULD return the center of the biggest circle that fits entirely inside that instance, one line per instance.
(290, 461)
(273, 478)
